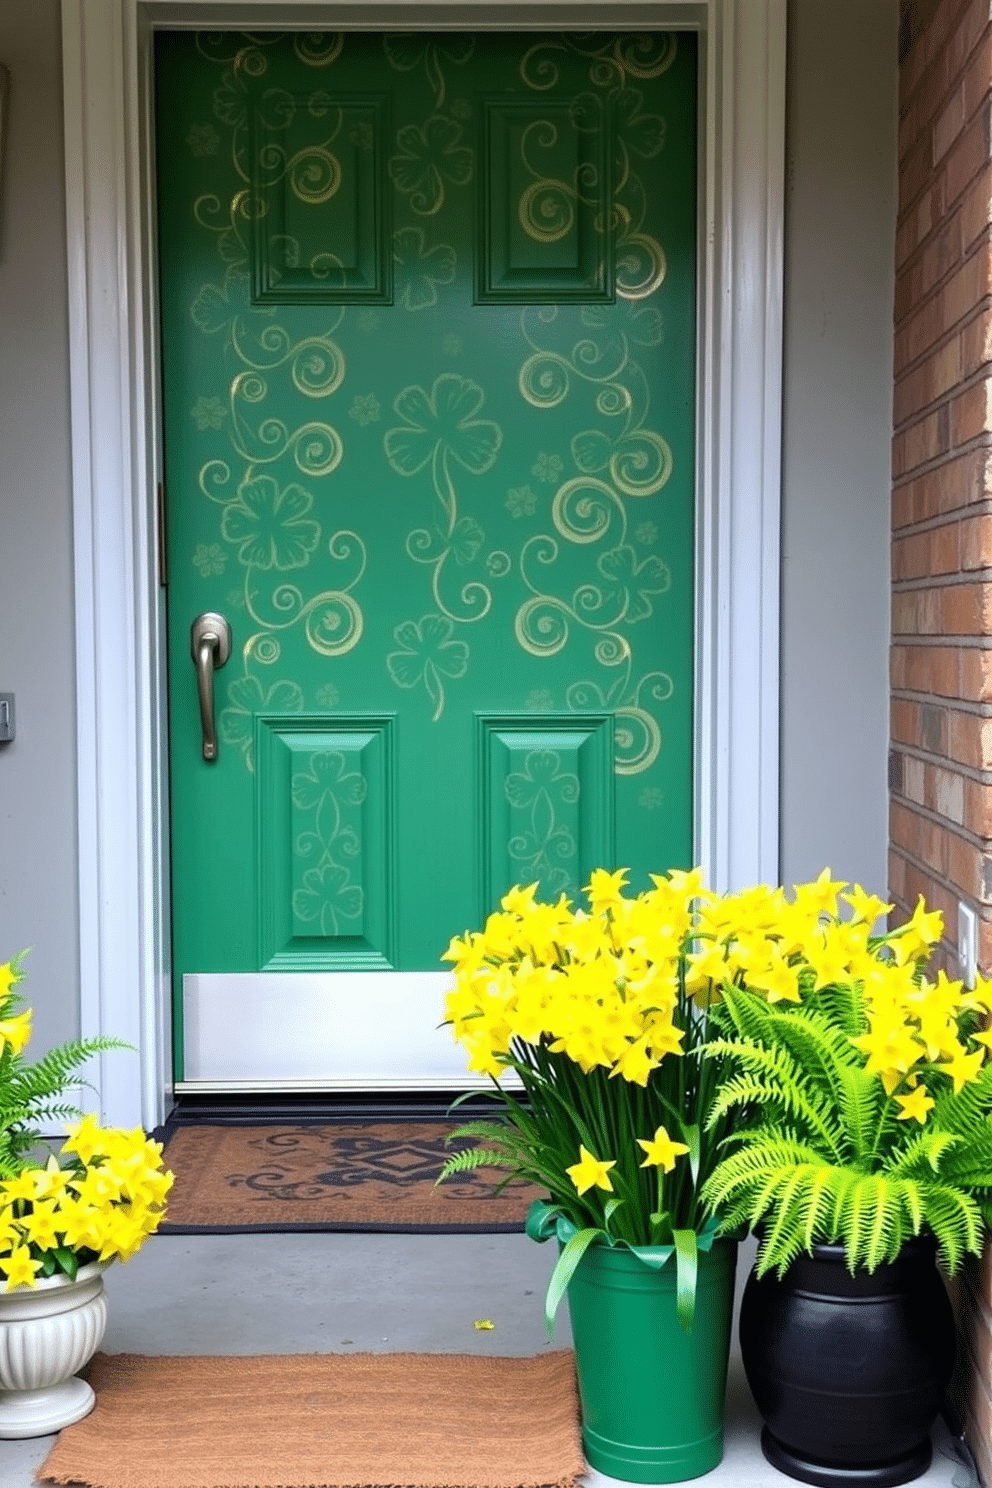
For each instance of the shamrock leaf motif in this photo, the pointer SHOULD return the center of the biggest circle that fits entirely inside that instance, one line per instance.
(466, 539)
(405, 50)
(270, 526)
(328, 775)
(542, 772)
(419, 269)
(442, 422)
(245, 699)
(328, 896)
(428, 653)
(632, 582)
(425, 159)
(642, 133)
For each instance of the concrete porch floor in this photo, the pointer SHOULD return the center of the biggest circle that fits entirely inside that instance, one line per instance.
(256, 1294)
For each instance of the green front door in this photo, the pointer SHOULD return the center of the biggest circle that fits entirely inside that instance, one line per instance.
(428, 328)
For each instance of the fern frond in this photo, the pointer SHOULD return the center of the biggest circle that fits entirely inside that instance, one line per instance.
(922, 1155)
(819, 1205)
(470, 1160)
(843, 1004)
(862, 1101)
(772, 1077)
(969, 1108)
(956, 1221)
(911, 1196)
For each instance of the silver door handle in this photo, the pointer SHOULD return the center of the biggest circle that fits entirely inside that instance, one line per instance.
(210, 646)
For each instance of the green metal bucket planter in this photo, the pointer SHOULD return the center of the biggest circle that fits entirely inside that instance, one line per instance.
(652, 1395)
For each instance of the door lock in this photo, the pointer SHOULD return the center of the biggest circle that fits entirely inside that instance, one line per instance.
(210, 647)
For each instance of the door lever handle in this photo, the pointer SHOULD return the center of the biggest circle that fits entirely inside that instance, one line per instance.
(210, 647)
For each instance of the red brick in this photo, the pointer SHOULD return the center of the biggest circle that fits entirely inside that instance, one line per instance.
(976, 344)
(897, 875)
(976, 674)
(964, 865)
(918, 331)
(945, 794)
(944, 671)
(905, 614)
(934, 846)
(903, 722)
(968, 154)
(985, 953)
(914, 171)
(921, 442)
(905, 828)
(930, 380)
(978, 807)
(967, 742)
(976, 207)
(906, 242)
(948, 124)
(976, 542)
(971, 283)
(978, 76)
(898, 656)
(945, 544)
(971, 413)
(966, 609)
(971, 27)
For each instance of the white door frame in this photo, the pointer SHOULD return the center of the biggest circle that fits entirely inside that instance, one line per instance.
(116, 459)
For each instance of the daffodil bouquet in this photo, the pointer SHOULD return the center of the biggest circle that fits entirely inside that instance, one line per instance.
(868, 1084)
(601, 1011)
(101, 1206)
(110, 1194)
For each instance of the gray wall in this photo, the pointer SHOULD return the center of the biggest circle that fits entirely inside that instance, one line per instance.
(839, 257)
(37, 772)
(839, 253)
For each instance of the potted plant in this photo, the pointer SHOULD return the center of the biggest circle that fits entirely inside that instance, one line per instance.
(600, 1013)
(61, 1224)
(867, 1153)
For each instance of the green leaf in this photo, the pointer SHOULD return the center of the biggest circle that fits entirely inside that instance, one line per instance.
(68, 1261)
(565, 1269)
(686, 1263)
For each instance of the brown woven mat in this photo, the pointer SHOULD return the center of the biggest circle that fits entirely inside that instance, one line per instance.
(342, 1421)
(380, 1176)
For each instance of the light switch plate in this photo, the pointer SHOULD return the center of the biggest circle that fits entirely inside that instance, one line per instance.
(6, 717)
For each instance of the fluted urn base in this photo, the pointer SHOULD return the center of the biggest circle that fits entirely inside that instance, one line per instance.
(47, 1334)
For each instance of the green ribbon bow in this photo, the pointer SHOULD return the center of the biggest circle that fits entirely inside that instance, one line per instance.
(545, 1221)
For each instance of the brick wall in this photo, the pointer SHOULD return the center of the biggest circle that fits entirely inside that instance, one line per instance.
(940, 777)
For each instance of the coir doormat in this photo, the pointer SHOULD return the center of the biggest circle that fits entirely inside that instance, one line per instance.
(379, 1176)
(344, 1421)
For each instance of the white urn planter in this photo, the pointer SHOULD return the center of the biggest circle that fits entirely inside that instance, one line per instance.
(47, 1333)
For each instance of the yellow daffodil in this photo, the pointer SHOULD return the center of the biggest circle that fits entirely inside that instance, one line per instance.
(821, 895)
(963, 1067)
(589, 1172)
(866, 907)
(15, 1031)
(661, 1151)
(85, 1138)
(915, 1105)
(9, 977)
(19, 1267)
(605, 889)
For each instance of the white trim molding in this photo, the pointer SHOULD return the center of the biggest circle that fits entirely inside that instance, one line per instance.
(122, 772)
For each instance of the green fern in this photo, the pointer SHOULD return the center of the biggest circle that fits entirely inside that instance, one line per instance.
(823, 1155)
(31, 1094)
(470, 1160)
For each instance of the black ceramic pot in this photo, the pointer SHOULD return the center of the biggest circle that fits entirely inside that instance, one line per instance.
(849, 1372)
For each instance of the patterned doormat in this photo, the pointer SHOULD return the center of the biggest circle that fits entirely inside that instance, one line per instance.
(378, 1176)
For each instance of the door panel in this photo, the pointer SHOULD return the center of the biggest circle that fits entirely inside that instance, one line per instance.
(428, 344)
